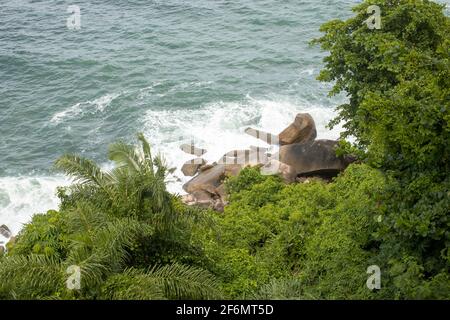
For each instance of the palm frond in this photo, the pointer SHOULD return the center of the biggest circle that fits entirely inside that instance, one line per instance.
(125, 155)
(84, 171)
(103, 251)
(185, 282)
(29, 277)
(132, 284)
(280, 289)
(174, 281)
(146, 151)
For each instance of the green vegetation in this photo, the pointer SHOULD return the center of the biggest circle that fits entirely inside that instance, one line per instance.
(128, 235)
(134, 240)
(398, 82)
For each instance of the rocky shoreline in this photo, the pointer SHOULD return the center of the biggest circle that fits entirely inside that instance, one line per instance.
(300, 156)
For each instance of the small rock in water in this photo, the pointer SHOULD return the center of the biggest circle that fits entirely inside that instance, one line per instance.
(262, 135)
(191, 149)
(4, 231)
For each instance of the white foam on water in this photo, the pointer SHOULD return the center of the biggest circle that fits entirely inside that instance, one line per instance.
(308, 71)
(219, 128)
(97, 105)
(21, 197)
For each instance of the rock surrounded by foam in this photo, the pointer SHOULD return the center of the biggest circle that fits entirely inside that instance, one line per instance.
(4, 231)
(300, 154)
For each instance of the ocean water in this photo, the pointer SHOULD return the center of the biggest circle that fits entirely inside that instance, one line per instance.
(175, 70)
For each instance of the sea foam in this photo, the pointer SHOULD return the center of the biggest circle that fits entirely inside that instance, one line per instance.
(217, 127)
(96, 105)
(21, 197)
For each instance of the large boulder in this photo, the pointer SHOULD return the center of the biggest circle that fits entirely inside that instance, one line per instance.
(203, 199)
(4, 231)
(313, 158)
(191, 167)
(245, 157)
(302, 130)
(221, 192)
(207, 166)
(210, 179)
(286, 172)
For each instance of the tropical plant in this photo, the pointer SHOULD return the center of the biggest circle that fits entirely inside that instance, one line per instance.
(125, 232)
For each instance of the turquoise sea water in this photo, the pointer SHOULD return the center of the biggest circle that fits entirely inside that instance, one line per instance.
(174, 69)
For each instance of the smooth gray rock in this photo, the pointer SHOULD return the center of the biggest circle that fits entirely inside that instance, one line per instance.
(317, 157)
(210, 179)
(191, 167)
(286, 172)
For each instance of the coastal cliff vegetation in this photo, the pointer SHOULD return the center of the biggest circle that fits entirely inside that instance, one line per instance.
(132, 239)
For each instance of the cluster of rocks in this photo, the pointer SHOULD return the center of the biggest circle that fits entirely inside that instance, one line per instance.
(300, 156)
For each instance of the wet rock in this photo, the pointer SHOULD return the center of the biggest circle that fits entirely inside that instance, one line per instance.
(212, 178)
(4, 231)
(191, 149)
(203, 199)
(206, 167)
(286, 172)
(191, 167)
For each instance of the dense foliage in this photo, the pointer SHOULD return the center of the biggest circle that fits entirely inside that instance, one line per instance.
(398, 82)
(127, 234)
(314, 240)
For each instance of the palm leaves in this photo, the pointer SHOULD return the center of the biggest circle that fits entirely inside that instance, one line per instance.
(109, 225)
(29, 277)
(138, 180)
(84, 171)
(133, 159)
(281, 289)
(104, 250)
(173, 281)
